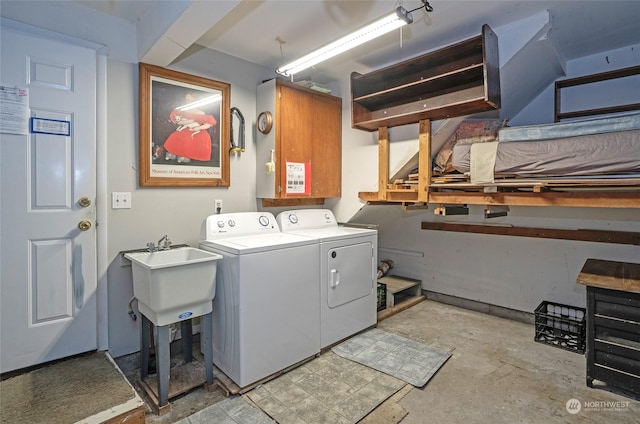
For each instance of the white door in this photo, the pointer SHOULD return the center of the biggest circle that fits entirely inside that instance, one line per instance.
(48, 265)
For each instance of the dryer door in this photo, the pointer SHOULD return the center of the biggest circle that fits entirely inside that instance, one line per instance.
(349, 273)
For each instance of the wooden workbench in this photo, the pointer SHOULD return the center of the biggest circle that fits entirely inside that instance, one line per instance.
(612, 275)
(613, 323)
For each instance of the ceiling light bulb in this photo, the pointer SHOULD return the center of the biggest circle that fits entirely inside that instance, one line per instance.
(398, 18)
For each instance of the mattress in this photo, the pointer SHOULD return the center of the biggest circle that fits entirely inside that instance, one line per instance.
(607, 153)
(622, 122)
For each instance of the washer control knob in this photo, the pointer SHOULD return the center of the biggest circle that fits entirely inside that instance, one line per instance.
(263, 220)
(327, 216)
(293, 218)
(220, 224)
(232, 223)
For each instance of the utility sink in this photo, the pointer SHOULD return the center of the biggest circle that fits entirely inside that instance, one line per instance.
(175, 284)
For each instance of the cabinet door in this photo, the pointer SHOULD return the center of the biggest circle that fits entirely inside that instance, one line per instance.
(326, 147)
(294, 139)
(309, 129)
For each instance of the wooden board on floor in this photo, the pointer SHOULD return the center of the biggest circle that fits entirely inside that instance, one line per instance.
(386, 313)
(183, 378)
(137, 416)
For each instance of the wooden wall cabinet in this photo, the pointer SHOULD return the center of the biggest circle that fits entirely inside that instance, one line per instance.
(307, 129)
(457, 80)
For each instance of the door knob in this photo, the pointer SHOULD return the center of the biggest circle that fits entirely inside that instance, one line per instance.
(84, 201)
(84, 225)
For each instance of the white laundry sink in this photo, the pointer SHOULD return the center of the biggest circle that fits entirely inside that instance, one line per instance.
(174, 285)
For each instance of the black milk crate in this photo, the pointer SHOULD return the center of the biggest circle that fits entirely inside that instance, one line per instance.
(382, 296)
(561, 326)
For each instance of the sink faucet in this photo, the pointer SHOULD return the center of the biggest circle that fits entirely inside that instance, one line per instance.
(164, 243)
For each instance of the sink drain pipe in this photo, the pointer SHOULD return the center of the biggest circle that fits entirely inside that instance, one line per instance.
(130, 312)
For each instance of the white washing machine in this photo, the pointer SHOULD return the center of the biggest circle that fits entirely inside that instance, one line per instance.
(266, 311)
(347, 260)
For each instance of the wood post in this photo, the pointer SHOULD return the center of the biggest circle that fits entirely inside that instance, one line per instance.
(424, 161)
(383, 162)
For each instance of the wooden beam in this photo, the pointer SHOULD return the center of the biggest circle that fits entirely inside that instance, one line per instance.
(575, 199)
(383, 162)
(596, 236)
(424, 160)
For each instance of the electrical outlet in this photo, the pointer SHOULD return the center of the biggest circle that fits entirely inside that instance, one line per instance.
(120, 200)
(218, 205)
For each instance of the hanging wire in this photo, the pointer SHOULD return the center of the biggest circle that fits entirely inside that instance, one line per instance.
(425, 4)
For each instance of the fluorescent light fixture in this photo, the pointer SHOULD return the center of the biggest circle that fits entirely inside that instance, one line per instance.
(199, 103)
(396, 19)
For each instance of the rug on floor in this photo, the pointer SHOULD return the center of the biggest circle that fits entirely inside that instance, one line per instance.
(233, 410)
(395, 355)
(67, 392)
(328, 389)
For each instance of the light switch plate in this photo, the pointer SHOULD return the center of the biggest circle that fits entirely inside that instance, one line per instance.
(121, 200)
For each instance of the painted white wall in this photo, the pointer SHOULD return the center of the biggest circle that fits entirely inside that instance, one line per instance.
(540, 110)
(156, 211)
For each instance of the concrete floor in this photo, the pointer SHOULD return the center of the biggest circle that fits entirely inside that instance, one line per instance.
(497, 374)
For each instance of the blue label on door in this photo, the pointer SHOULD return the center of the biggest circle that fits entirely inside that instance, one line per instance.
(185, 315)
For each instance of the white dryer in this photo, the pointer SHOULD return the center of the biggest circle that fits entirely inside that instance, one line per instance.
(347, 260)
(266, 313)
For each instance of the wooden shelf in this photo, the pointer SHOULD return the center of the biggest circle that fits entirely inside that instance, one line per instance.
(458, 80)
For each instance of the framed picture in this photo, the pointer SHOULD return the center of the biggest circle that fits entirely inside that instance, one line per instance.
(184, 129)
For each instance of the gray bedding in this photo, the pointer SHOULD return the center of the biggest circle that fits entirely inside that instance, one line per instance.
(622, 122)
(608, 153)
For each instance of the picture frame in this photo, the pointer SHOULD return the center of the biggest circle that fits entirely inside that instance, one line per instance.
(184, 129)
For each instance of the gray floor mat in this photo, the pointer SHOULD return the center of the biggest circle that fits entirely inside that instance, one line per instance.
(395, 355)
(328, 389)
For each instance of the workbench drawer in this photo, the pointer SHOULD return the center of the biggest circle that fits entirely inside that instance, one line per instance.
(622, 358)
(627, 308)
(607, 327)
(614, 378)
(613, 338)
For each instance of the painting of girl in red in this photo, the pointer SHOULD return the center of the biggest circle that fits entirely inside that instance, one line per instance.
(191, 139)
(185, 130)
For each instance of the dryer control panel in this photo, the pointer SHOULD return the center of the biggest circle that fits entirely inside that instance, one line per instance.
(304, 219)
